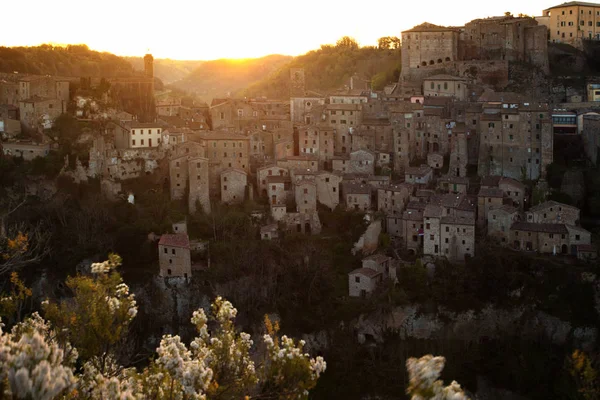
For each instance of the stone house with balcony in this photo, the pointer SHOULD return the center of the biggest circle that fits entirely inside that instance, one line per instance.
(174, 256)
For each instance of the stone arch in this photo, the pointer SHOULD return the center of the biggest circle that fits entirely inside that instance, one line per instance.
(448, 59)
(439, 61)
(431, 62)
(424, 63)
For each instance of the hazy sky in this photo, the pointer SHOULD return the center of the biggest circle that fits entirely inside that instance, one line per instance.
(203, 30)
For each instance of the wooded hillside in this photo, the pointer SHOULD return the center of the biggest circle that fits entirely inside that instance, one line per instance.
(71, 60)
(330, 67)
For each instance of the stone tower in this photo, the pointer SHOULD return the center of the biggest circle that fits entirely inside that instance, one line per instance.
(198, 184)
(459, 154)
(149, 65)
(297, 83)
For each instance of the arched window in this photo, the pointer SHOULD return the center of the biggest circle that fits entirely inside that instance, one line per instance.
(439, 61)
(431, 62)
(424, 63)
(447, 58)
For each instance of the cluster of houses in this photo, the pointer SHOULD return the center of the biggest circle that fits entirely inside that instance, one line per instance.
(440, 154)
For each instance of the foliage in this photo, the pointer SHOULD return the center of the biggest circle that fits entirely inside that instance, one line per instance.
(39, 362)
(424, 384)
(12, 305)
(330, 68)
(71, 60)
(97, 318)
(388, 42)
(585, 373)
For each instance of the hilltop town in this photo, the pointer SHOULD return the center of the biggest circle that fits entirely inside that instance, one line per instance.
(441, 165)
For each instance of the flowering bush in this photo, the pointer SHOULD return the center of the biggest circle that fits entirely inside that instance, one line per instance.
(38, 362)
(423, 376)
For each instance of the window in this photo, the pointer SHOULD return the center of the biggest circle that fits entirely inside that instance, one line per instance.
(166, 251)
(133, 142)
(447, 229)
(431, 237)
(224, 179)
(357, 279)
(173, 251)
(225, 187)
(446, 240)
(428, 226)
(305, 191)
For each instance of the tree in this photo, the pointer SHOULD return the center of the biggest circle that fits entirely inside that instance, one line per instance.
(347, 42)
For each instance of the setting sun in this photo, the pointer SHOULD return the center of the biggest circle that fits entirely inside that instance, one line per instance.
(235, 29)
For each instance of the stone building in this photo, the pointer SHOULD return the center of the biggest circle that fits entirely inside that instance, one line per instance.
(301, 163)
(459, 150)
(263, 173)
(137, 135)
(435, 161)
(362, 162)
(174, 256)
(305, 193)
(514, 190)
(432, 218)
(344, 119)
(573, 22)
(307, 110)
(269, 232)
(38, 113)
(279, 189)
(357, 196)
(26, 149)
(453, 184)
(488, 198)
(553, 212)
(188, 173)
(457, 237)
(233, 185)
(499, 221)
(315, 141)
(225, 150)
(328, 188)
(242, 116)
(591, 137)
(515, 140)
(418, 175)
(428, 45)
(393, 198)
(544, 238)
(506, 38)
(307, 224)
(363, 282)
(445, 86)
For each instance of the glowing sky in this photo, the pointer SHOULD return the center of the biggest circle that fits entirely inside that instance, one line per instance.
(204, 30)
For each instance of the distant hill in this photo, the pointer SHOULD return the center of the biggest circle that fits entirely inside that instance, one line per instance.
(165, 69)
(71, 60)
(221, 77)
(331, 67)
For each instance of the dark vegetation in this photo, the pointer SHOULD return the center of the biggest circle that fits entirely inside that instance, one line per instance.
(331, 67)
(71, 60)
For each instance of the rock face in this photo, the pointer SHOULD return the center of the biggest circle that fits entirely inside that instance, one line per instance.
(369, 241)
(573, 184)
(411, 322)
